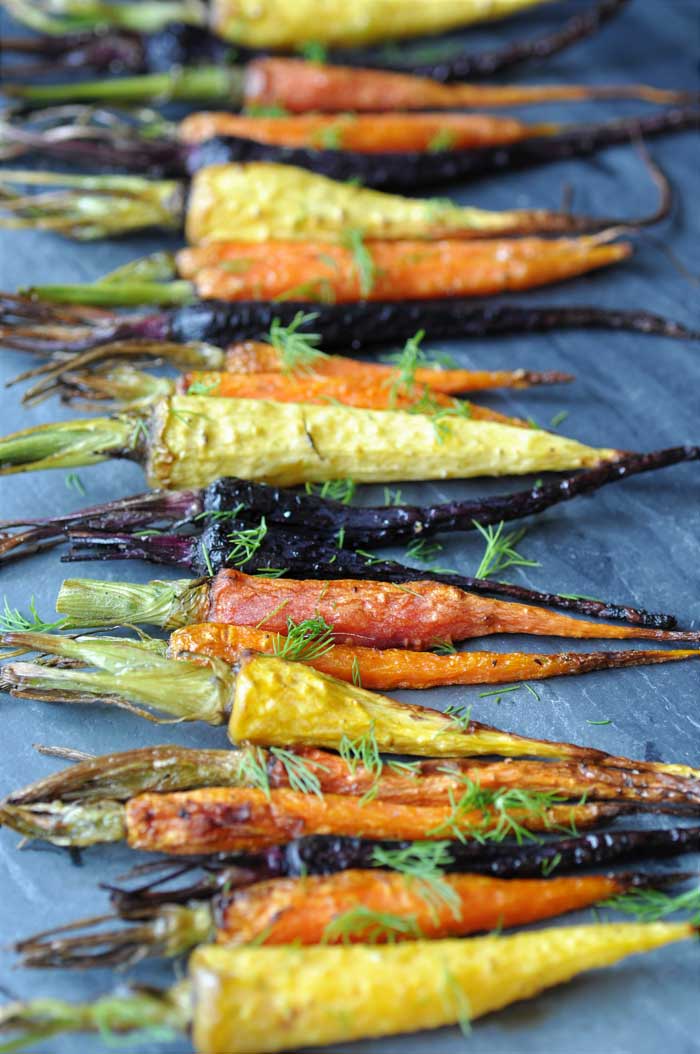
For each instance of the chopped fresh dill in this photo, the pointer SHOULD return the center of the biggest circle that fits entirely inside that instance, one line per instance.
(413, 355)
(315, 289)
(392, 497)
(407, 362)
(299, 771)
(459, 1001)
(340, 538)
(497, 808)
(500, 551)
(605, 721)
(200, 388)
(459, 715)
(424, 863)
(271, 614)
(548, 866)
(272, 572)
(580, 596)
(443, 140)
(206, 556)
(443, 647)
(370, 559)
(424, 551)
(245, 543)
(74, 482)
(13, 621)
(330, 137)
(364, 752)
(256, 109)
(252, 769)
(559, 418)
(355, 672)
(650, 905)
(498, 692)
(371, 927)
(220, 514)
(342, 490)
(297, 351)
(305, 641)
(407, 768)
(364, 263)
(314, 51)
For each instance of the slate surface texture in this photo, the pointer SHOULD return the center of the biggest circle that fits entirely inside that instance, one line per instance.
(638, 542)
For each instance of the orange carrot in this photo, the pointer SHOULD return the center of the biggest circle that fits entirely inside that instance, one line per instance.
(383, 615)
(392, 668)
(252, 356)
(233, 819)
(400, 269)
(302, 388)
(369, 134)
(302, 87)
(322, 909)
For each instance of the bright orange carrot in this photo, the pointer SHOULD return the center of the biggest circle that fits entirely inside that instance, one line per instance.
(400, 269)
(376, 133)
(253, 356)
(302, 87)
(322, 909)
(303, 388)
(232, 819)
(379, 614)
(392, 668)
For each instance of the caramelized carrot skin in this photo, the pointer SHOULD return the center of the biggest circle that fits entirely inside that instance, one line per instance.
(382, 615)
(392, 668)
(378, 133)
(298, 388)
(228, 819)
(302, 87)
(256, 357)
(285, 910)
(402, 269)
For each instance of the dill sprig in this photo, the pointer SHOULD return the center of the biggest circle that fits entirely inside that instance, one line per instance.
(355, 672)
(458, 997)
(305, 641)
(371, 927)
(445, 139)
(252, 769)
(443, 647)
(459, 715)
(74, 482)
(392, 497)
(299, 771)
(245, 543)
(219, 514)
(500, 551)
(650, 905)
(364, 263)
(342, 490)
(201, 388)
(297, 351)
(13, 621)
(363, 751)
(497, 807)
(424, 863)
(424, 551)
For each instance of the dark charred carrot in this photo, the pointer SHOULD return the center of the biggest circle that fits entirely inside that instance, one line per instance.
(40, 325)
(389, 669)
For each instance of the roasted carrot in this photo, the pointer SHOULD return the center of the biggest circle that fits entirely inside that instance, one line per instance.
(250, 999)
(258, 202)
(301, 88)
(131, 388)
(188, 441)
(392, 668)
(350, 907)
(256, 356)
(235, 820)
(120, 776)
(269, 702)
(403, 270)
(375, 133)
(361, 612)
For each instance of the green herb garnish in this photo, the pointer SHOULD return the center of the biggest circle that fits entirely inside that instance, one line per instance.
(500, 551)
(297, 351)
(245, 543)
(371, 927)
(342, 490)
(305, 641)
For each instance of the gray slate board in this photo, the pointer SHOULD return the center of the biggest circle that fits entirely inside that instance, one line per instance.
(638, 542)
